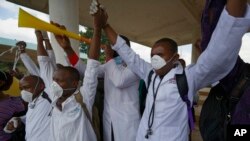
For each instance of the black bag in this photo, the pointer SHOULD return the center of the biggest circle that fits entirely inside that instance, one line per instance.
(219, 107)
(213, 115)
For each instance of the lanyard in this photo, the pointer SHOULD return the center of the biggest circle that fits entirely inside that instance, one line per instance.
(152, 111)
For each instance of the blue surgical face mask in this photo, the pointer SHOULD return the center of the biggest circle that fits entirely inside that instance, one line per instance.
(118, 60)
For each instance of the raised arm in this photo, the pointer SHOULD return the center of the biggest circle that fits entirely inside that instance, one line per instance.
(88, 90)
(27, 61)
(46, 65)
(40, 47)
(222, 51)
(134, 62)
(49, 48)
(73, 58)
(236, 8)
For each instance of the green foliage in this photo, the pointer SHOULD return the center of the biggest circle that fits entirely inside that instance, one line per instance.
(84, 48)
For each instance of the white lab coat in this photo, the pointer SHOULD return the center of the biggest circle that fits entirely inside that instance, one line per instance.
(29, 64)
(32, 67)
(171, 117)
(52, 57)
(46, 72)
(71, 123)
(37, 120)
(121, 101)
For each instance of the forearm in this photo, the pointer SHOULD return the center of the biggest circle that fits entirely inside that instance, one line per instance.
(110, 33)
(94, 50)
(236, 8)
(88, 90)
(222, 51)
(40, 48)
(47, 44)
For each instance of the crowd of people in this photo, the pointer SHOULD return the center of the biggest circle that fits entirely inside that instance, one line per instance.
(57, 101)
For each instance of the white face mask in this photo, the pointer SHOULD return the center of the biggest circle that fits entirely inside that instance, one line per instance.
(158, 62)
(26, 96)
(57, 90)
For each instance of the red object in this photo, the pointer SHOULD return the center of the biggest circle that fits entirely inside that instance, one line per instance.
(73, 59)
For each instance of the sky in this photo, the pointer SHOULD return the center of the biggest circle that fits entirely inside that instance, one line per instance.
(9, 29)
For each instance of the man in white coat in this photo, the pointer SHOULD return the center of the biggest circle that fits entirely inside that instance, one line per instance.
(166, 115)
(121, 100)
(36, 93)
(37, 119)
(69, 121)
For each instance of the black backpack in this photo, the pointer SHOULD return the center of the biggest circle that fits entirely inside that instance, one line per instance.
(218, 107)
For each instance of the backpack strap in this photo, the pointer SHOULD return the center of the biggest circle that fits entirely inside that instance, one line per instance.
(182, 86)
(239, 88)
(149, 78)
(79, 99)
(46, 96)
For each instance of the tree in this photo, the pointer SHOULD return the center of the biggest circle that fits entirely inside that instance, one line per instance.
(84, 48)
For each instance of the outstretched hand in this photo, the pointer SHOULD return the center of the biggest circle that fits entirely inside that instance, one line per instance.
(62, 40)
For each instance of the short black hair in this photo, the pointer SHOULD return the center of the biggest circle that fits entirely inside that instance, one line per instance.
(36, 78)
(127, 42)
(75, 75)
(173, 45)
(7, 78)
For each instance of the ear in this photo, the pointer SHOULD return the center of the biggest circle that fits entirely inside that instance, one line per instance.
(42, 86)
(176, 57)
(75, 83)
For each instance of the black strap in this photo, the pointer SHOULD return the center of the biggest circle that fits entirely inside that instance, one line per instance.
(45, 96)
(235, 95)
(238, 90)
(182, 85)
(149, 78)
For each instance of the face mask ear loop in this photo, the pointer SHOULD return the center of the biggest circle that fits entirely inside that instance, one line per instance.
(171, 58)
(38, 80)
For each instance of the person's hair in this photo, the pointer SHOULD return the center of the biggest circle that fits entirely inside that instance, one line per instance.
(183, 63)
(59, 65)
(127, 42)
(36, 78)
(173, 45)
(75, 75)
(7, 78)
